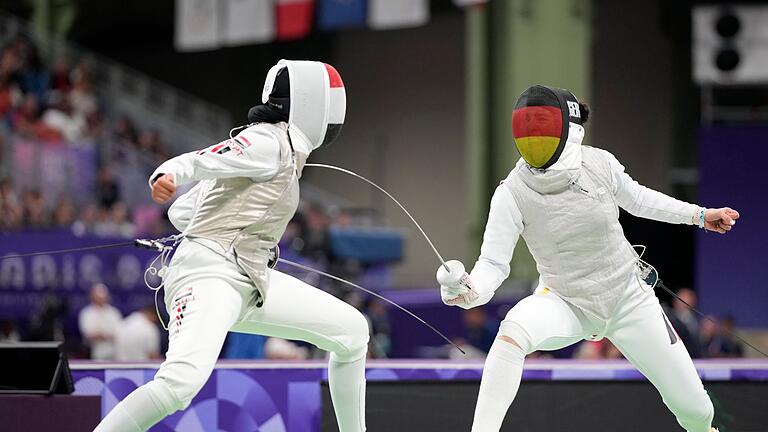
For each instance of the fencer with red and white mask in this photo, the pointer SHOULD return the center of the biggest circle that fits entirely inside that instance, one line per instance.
(563, 198)
(219, 279)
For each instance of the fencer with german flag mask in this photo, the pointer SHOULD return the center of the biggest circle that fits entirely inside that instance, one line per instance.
(219, 280)
(563, 198)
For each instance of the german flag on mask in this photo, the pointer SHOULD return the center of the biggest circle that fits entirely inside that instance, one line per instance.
(540, 123)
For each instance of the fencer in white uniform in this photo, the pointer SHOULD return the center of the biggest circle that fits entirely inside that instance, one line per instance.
(219, 280)
(563, 198)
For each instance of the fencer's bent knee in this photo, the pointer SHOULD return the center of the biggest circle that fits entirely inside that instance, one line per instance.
(353, 343)
(183, 381)
(512, 332)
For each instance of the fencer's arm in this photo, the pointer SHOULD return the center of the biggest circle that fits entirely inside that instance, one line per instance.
(647, 203)
(502, 231)
(254, 153)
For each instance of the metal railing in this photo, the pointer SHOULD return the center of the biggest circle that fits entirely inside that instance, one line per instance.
(186, 121)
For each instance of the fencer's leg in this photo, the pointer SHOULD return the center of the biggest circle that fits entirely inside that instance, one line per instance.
(539, 321)
(646, 338)
(295, 310)
(206, 309)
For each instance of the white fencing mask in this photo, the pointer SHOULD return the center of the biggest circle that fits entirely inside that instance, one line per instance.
(318, 102)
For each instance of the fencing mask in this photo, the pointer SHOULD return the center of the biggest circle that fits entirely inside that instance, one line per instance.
(317, 103)
(544, 121)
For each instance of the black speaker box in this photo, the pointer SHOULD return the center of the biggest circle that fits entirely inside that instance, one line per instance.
(34, 368)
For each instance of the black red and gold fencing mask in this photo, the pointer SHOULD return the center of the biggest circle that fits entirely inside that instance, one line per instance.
(541, 122)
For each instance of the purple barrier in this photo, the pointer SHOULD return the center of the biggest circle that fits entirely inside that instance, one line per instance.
(25, 281)
(278, 397)
(731, 270)
(55, 168)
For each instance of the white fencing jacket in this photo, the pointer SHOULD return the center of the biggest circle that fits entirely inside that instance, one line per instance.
(248, 193)
(570, 222)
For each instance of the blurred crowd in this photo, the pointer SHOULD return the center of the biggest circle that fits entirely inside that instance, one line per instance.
(57, 105)
(58, 102)
(101, 332)
(32, 210)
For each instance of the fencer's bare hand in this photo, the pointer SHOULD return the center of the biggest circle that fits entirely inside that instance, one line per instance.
(720, 220)
(163, 189)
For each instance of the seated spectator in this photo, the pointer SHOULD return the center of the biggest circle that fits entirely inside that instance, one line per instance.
(7, 194)
(47, 323)
(107, 189)
(479, 330)
(685, 322)
(60, 76)
(10, 207)
(10, 91)
(24, 121)
(684, 313)
(13, 217)
(114, 222)
(60, 117)
(718, 342)
(35, 211)
(244, 346)
(151, 143)
(86, 221)
(381, 330)
(125, 130)
(708, 336)
(98, 323)
(64, 213)
(8, 331)
(730, 347)
(138, 338)
(81, 96)
(35, 79)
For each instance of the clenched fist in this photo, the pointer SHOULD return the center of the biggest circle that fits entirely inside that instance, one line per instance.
(163, 189)
(720, 220)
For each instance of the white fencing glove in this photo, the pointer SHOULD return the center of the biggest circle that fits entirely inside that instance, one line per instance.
(456, 288)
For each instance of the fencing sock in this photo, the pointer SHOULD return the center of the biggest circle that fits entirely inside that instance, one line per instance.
(501, 379)
(347, 384)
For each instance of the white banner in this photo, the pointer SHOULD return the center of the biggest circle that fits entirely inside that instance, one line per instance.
(197, 25)
(392, 14)
(247, 21)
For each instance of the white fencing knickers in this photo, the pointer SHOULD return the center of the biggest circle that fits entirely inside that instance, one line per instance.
(207, 296)
(638, 328)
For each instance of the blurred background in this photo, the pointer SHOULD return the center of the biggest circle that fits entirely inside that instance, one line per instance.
(94, 95)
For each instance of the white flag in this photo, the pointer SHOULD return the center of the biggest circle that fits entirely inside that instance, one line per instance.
(391, 14)
(197, 25)
(247, 21)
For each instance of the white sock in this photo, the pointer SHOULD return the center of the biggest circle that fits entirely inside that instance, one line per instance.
(501, 379)
(139, 410)
(347, 384)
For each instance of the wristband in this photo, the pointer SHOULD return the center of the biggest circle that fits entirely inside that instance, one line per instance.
(701, 218)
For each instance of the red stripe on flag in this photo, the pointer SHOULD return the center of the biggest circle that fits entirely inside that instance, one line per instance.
(294, 18)
(537, 121)
(333, 76)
